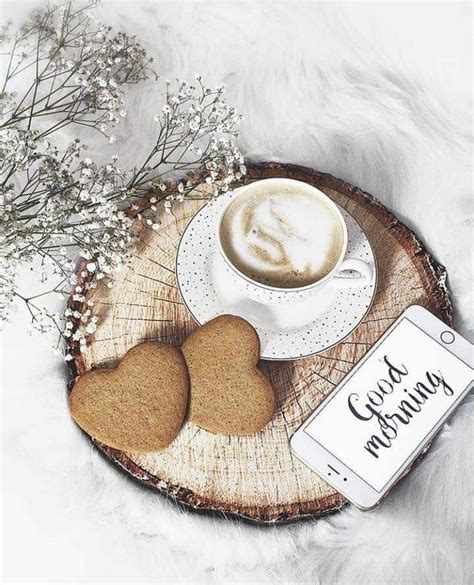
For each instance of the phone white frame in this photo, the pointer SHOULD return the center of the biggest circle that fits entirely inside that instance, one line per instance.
(333, 471)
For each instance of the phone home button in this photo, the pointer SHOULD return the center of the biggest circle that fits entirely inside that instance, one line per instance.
(447, 337)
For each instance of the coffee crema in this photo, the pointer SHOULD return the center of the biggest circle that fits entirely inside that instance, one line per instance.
(280, 236)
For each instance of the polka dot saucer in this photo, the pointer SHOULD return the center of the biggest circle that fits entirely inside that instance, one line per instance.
(289, 331)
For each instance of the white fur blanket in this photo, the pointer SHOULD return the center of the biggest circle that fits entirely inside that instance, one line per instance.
(377, 94)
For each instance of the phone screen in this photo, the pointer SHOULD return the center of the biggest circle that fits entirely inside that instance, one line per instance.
(382, 412)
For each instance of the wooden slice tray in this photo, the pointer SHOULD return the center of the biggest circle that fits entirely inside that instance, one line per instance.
(255, 477)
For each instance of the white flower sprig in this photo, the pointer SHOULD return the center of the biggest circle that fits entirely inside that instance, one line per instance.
(56, 204)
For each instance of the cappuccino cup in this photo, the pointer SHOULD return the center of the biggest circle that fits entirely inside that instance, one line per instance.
(284, 241)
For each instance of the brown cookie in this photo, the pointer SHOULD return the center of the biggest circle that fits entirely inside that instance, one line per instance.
(137, 406)
(229, 395)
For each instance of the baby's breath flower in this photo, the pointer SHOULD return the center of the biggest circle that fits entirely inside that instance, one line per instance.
(56, 203)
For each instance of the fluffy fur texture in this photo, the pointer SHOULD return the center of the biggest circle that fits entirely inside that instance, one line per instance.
(377, 94)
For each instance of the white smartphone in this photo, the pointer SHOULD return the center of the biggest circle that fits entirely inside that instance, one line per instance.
(366, 435)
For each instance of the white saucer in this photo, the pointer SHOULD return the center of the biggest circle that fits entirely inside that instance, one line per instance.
(286, 332)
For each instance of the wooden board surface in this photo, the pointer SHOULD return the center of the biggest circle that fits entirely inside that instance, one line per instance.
(255, 477)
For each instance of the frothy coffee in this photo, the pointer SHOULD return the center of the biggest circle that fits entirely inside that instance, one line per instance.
(282, 236)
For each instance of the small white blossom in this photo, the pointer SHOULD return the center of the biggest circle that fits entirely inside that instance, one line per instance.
(91, 328)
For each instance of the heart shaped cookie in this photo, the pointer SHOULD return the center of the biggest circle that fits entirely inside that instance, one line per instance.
(137, 406)
(229, 395)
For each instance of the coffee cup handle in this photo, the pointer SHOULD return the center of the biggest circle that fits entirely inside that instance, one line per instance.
(365, 270)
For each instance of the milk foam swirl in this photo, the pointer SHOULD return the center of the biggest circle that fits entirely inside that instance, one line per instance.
(284, 239)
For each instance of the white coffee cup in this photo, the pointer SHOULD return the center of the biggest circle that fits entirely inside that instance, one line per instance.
(322, 289)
